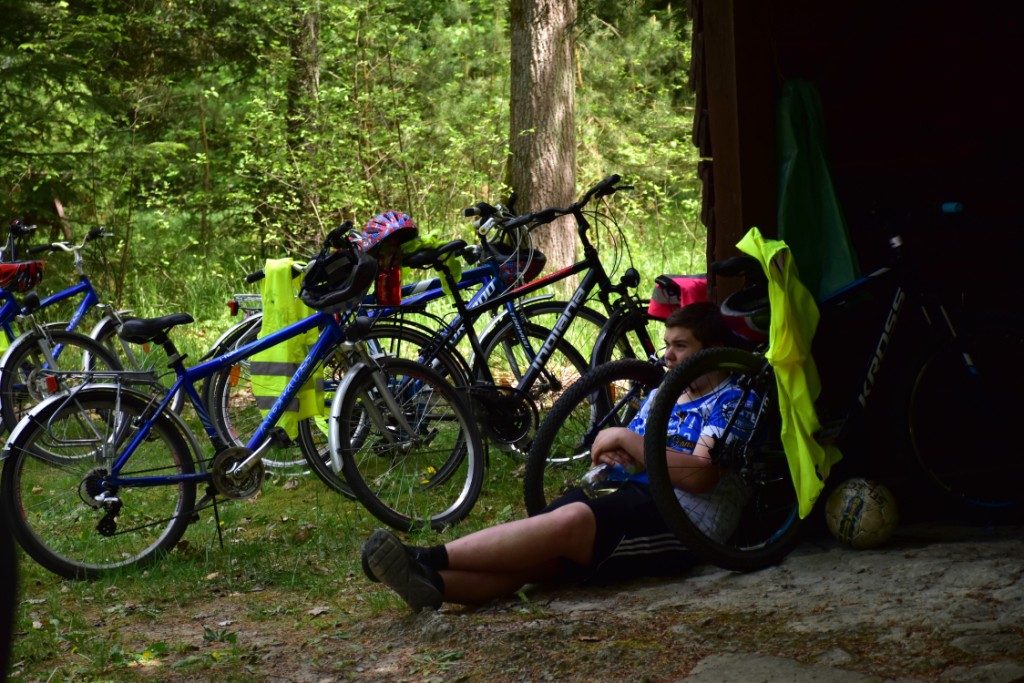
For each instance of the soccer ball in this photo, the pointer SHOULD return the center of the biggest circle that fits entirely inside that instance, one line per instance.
(861, 513)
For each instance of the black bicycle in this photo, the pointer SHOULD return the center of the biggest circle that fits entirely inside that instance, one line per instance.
(609, 395)
(958, 407)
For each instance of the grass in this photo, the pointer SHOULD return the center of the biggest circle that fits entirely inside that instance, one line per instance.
(290, 553)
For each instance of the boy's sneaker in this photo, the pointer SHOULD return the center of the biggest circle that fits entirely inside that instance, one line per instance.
(368, 573)
(388, 560)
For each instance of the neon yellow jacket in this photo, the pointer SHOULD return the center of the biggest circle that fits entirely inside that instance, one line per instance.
(794, 320)
(273, 368)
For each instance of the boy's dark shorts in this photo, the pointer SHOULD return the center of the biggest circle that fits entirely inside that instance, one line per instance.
(631, 538)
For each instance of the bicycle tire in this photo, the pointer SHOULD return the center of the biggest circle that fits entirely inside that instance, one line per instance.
(609, 395)
(54, 462)
(131, 356)
(410, 482)
(625, 334)
(769, 524)
(235, 414)
(24, 380)
(976, 467)
(581, 334)
(386, 339)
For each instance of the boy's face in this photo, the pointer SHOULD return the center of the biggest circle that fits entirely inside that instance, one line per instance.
(680, 344)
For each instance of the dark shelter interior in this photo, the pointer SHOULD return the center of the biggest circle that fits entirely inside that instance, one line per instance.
(915, 112)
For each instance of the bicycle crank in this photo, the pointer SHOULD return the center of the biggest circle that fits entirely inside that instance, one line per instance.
(231, 479)
(507, 416)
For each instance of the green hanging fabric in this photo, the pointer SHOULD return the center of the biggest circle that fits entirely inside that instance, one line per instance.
(793, 323)
(810, 218)
(273, 368)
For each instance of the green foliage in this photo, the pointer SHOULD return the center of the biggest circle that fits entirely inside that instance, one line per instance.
(213, 134)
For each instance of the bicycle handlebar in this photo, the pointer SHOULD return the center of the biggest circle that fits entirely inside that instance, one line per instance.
(482, 209)
(19, 229)
(602, 189)
(95, 233)
(337, 238)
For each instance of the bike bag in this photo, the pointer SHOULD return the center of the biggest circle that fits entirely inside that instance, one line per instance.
(675, 291)
(21, 276)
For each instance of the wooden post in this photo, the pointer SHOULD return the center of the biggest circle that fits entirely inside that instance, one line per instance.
(738, 79)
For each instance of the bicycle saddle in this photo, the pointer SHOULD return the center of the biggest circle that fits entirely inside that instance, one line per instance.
(145, 330)
(433, 256)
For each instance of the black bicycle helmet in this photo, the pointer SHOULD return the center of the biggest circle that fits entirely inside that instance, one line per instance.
(338, 280)
(747, 313)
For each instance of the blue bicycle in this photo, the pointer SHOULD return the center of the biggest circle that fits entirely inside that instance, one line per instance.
(25, 377)
(105, 476)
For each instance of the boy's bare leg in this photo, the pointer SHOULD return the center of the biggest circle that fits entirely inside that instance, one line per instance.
(497, 561)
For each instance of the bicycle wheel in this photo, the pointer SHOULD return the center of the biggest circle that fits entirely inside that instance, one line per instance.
(963, 425)
(508, 361)
(429, 476)
(132, 356)
(581, 335)
(53, 483)
(607, 396)
(627, 334)
(384, 339)
(749, 456)
(27, 377)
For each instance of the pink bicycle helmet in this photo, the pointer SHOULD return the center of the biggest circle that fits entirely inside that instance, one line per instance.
(390, 226)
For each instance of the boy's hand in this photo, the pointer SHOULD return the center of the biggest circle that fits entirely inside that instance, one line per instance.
(618, 446)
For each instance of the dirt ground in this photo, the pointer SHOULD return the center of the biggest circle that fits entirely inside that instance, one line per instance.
(939, 602)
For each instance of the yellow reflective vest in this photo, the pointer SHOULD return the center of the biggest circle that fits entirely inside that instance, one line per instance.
(793, 322)
(272, 369)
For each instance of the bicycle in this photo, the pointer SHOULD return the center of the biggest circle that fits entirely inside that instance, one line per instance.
(34, 355)
(955, 372)
(408, 330)
(104, 476)
(508, 414)
(609, 395)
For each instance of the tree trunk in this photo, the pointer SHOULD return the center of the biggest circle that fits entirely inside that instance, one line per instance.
(542, 168)
(303, 100)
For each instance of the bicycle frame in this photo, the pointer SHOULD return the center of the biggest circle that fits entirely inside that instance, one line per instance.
(331, 335)
(10, 308)
(595, 276)
(900, 289)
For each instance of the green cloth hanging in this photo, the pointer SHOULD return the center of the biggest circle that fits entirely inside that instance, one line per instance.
(273, 368)
(793, 323)
(810, 218)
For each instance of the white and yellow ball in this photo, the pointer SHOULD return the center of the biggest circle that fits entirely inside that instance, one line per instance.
(861, 513)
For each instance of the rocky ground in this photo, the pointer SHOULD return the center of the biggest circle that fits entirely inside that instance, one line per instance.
(939, 602)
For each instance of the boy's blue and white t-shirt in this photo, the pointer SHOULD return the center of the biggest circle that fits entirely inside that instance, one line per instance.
(717, 511)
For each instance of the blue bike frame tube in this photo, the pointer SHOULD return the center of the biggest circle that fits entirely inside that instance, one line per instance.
(330, 336)
(83, 287)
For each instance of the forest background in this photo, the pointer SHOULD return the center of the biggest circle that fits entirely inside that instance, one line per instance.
(188, 129)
